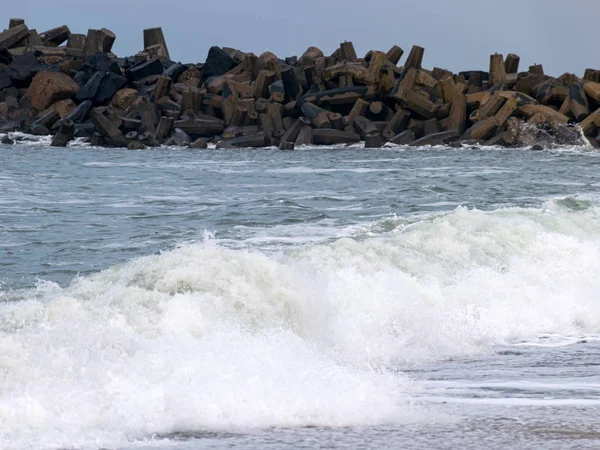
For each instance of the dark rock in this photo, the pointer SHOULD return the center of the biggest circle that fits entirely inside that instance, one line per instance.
(5, 80)
(145, 69)
(201, 127)
(218, 62)
(39, 130)
(199, 143)
(100, 63)
(174, 71)
(132, 136)
(165, 125)
(101, 88)
(7, 141)
(374, 140)
(108, 129)
(148, 140)
(97, 140)
(179, 138)
(404, 138)
(328, 136)
(81, 113)
(55, 36)
(47, 120)
(65, 133)
(5, 56)
(84, 130)
(441, 138)
(136, 145)
(23, 68)
(253, 141)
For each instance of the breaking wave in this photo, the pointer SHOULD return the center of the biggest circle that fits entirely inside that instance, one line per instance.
(208, 338)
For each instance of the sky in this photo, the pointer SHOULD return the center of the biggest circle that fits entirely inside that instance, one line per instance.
(456, 34)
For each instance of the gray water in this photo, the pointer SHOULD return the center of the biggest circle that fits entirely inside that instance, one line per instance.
(438, 298)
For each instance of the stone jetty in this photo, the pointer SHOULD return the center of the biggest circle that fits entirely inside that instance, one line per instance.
(71, 86)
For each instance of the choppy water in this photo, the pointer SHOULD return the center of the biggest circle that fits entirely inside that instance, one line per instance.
(435, 298)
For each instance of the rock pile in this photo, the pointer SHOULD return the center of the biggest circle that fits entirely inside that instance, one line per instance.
(71, 85)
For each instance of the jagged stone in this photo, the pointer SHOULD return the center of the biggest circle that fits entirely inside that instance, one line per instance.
(218, 62)
(101, 88)
(145, 69)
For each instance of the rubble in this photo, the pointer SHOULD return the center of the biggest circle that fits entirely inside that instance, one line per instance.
(71, 85)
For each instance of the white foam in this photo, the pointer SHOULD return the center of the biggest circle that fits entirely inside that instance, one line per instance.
(203, 337)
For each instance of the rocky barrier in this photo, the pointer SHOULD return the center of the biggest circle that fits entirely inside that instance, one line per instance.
(71, 86)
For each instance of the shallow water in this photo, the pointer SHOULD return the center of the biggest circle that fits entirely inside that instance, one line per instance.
(437, 298)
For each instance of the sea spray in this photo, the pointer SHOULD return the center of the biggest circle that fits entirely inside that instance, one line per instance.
(204, 337)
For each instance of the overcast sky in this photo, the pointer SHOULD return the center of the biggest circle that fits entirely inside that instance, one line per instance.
(456, 34)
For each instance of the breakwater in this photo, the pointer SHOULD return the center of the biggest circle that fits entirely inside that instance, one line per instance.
(72, 86)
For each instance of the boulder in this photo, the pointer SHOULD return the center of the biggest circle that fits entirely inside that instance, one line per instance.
(81, 112)
(404, 138)
(101, 88)
(66, 133)
(136, 145)
(328, 136)
(55, 36)
(13, 36)
(100, 63)
(5, 56)
(49, 87)
(23, 68)
(218, 62)
(124, 98)
(145, 69)
(63, 107)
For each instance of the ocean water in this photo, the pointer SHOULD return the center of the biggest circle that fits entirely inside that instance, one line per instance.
(323, 298)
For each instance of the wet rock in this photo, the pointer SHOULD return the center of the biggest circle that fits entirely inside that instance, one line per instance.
(65, 133)
(108, 129)
(199, 143)
(49, 87)
(328, 136)
(136, 145)
(7, 141)
(404, 138)
(441, 138)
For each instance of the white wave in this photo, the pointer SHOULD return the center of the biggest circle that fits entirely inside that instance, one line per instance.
(204, 337)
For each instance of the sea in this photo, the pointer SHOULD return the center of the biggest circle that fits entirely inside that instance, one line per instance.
(322, 298)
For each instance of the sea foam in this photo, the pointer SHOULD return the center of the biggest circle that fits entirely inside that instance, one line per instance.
(205, 337)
